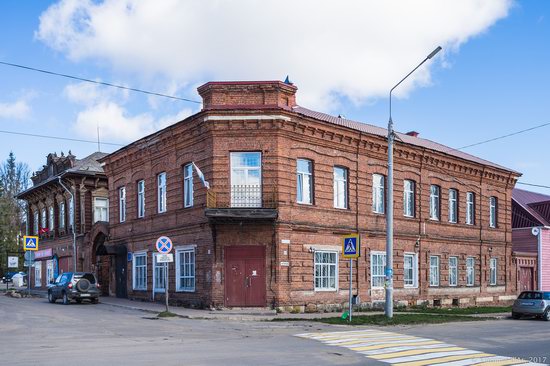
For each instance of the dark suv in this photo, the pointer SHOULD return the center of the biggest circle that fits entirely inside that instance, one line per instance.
(74, 286)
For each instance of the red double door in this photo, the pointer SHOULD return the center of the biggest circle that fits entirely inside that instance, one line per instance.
(245, 276)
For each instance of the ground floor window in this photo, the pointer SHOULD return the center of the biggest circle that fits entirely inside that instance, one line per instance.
(453, 271)
(470, 271)
(377, 268)
(493, 271)
(326, 269)
(159, 274)
(434, 270)
(410, 270)
(139, 271)
(37, 274)
(50, 275)
(185, 269)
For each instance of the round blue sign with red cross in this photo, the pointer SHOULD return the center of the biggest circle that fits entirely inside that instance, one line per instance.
(164, 245)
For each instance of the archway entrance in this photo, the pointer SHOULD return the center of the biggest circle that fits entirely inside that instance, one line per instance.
(111, 262)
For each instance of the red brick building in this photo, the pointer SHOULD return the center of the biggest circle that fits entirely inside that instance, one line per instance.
(51, 212)
(285, 184)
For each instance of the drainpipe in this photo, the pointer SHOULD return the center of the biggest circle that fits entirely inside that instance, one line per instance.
(539, 259)
(72, 223)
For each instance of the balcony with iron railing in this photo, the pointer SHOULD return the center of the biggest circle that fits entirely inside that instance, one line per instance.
(253, 202)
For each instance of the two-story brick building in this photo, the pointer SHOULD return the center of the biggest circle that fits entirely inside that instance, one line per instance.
(285, 184)
(51, 213)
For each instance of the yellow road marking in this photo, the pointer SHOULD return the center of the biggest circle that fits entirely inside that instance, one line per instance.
(433, 361)
(390, 345)
(414, 352)
(347, 343)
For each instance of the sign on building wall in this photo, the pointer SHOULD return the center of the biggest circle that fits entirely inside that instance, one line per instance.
(13, 262)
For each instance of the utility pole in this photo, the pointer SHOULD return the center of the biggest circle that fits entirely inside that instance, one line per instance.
(389, 214)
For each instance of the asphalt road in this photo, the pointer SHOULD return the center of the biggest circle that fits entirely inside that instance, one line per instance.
(34, 332)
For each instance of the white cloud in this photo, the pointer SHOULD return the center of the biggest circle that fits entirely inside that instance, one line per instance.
(116, 124)
(357, 48)
(17, 110)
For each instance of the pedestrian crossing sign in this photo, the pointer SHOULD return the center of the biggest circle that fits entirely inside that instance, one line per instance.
(30, 242)
(351, 246)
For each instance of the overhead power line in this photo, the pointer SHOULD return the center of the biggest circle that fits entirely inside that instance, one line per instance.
(533, 185)
(58, 138)
(99, 82)
(503, 136)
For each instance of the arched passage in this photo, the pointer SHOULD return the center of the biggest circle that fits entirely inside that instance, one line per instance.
(110, 264)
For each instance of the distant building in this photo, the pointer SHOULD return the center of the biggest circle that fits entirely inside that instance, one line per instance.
(50, 213)
(531, 239)
(286, 183)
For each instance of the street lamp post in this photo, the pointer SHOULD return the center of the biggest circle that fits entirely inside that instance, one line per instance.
(389, 214)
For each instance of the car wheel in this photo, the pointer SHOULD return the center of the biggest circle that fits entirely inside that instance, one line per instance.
(546, 315)
(51, 299)
(516, 315)
(95, 300)
(79, 301)
(66, 300)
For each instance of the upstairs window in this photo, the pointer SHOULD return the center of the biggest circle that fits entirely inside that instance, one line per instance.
(43, 219)
(493, 212)
(140, 198)
(36, 223)
(470, 208)
(246, 179)
(101, 209)
(304, 181)
(62, 215)
(378, 193)
(408, 198)
(51, 219)
(434, 202)
(122, 203)
(453, 205)
(161, 182)
(340, 187)
(188, 185)
(71, 212)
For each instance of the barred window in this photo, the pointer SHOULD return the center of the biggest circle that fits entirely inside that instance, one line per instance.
(185, 269)
(434, 270)
(377, 269)
(139, 271)
(470, 272)
(453, 271)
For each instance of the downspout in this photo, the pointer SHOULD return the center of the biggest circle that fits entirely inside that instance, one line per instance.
(357, 207)
(539, 259)
(482, 260)
(72, 223)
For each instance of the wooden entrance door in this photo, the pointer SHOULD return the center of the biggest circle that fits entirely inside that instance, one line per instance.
(245, 276)
(526, 278)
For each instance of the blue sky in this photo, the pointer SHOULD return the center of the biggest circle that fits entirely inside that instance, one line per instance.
(491, 79)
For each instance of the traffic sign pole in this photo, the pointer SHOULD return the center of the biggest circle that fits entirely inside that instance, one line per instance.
(164, 246)
(350, 287)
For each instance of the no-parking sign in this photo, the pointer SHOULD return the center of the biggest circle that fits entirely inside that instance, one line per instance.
(164, 245)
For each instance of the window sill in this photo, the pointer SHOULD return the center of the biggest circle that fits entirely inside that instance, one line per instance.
(185, 291)
(159, 290)
(326, 290)
(304, 203)
(436, 220)
(411, 286)
(140, 289)
(409, 217)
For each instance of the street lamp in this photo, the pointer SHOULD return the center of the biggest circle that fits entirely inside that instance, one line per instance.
(389, 215)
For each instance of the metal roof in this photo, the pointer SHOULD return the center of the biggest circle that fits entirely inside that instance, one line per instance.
(526, 199)
(383, 132)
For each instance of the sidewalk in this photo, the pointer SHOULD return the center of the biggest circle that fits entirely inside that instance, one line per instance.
(241, 314)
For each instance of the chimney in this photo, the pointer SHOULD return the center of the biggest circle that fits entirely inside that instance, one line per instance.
(413, 133)
(247, 95)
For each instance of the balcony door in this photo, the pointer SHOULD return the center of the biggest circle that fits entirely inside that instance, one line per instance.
(246, 179)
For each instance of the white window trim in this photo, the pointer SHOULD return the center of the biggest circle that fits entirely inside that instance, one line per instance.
(253, 200)
(493, 205)
(473, 272)
(161, 208)
(456, 268)
(96, 219)
(372, 254)
(122, 204)
(167, 265)
(438, 271)
(491, 269)
(303, 174)
(142, 203)
(336, 285)
(62, 215)
(188, 179)
(51, 218)
(375, 194)
(455, 200)
(346, 187)
(186, 248)
(134, 255)
(438, 206)
(470, 208)
(413, 184)
(415, 270)
(36, 223)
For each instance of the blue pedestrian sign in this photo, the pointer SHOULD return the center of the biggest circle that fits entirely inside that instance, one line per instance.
(164, 245)
(351, 246)
(30, 242)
